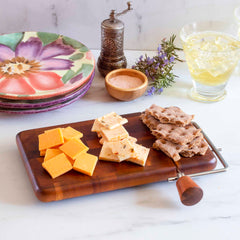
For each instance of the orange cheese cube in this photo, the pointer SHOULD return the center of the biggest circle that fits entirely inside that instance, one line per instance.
(69, 133)
(51, 152)
(42, 153)
(85, 163)
(52, 129)
(73, 147)
(57, 165)
(50, 139)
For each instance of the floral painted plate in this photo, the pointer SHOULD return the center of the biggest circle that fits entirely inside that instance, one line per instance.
(46, 102)
(38, 65)
(48, 108)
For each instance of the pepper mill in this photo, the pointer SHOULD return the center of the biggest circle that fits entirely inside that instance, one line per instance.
(112, 34)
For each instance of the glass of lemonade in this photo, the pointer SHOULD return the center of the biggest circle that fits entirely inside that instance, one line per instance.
(212, 52)
(237, 18)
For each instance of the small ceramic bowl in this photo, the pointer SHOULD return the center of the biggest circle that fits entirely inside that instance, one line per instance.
(122, 91)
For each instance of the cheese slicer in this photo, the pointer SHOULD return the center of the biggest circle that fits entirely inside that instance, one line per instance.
(189, 191)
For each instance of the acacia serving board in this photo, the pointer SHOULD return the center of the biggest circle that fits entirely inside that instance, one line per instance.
(107, 175)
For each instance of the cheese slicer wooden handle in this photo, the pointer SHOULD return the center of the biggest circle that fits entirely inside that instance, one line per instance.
(190, 193)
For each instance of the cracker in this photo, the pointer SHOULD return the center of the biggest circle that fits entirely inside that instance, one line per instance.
(176, 135)
(174, 150)
(195, 142)
(179, 135)
(150, 121)
(195, 150)
(171, 132)
(173, 115)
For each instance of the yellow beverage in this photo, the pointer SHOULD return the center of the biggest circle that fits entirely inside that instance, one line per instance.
(211, 57)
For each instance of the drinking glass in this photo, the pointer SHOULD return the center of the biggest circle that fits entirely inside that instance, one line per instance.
(237, 17)
(212, 52)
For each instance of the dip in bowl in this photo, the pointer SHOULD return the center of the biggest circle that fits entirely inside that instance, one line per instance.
(126, 84)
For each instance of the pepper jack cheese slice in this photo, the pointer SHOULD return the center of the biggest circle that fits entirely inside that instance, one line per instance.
(112, 120)
(130, 138)
(116, 134)
(117, 145)
(73, 147)
(97, 126)
(69, 133)
(57, 165)
(122, 149)
(140, 154)
(108, 121)
(51, 138)
(107, 154)
(85, 163)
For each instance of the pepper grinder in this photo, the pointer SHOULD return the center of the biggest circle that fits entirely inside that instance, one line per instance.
(112, 34)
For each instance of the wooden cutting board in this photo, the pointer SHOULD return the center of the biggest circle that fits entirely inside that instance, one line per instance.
(107, 175)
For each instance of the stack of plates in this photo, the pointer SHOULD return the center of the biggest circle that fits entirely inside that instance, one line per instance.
(42, 71)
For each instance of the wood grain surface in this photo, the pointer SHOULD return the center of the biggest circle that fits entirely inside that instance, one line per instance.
(107, 175)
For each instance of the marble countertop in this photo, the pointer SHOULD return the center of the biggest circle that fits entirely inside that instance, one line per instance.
(152, 211)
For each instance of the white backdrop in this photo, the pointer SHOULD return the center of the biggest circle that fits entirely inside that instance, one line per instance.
(145, 26)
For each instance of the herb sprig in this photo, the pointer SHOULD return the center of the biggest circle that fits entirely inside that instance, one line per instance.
(159, 69)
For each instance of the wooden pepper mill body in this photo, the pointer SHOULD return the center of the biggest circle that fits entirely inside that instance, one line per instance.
(112, 41)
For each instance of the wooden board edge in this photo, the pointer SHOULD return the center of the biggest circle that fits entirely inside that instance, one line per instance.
(40, 194)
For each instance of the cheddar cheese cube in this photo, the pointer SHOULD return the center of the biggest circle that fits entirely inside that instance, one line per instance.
(69, 133)
(50, 139)
(57, 165)
(115, 134)
(85, 163)
(73, 147)
(42, 153)
(140, 154)
(52, 129)
(51, 152)
(107, 154)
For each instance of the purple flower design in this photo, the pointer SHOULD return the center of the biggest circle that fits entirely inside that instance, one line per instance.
(29, 68)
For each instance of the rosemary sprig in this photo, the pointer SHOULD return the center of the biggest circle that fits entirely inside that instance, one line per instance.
(159, 69)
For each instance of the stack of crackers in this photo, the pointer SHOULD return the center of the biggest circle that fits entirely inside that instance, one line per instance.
(117, 145)
(175, 135)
